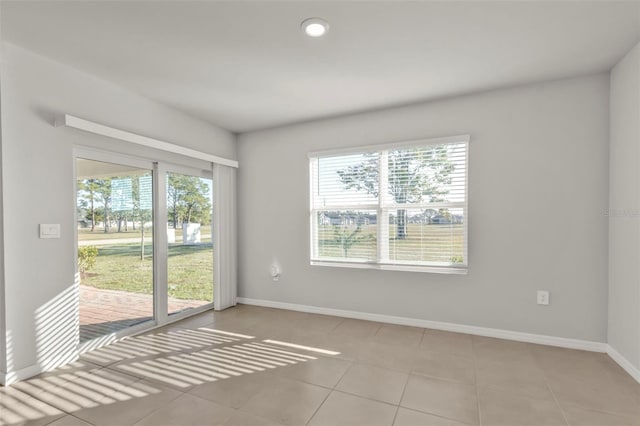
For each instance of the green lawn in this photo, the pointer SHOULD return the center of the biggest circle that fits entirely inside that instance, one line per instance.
(431, 243)
(190, 268)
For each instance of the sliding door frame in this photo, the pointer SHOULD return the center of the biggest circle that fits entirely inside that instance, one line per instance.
(93, 154)
(160, 170)
(164, 169)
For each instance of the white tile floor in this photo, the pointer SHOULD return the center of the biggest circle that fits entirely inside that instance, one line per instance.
(237, 367)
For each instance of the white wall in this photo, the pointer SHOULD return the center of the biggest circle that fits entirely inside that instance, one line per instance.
(3, 367)
(538, 193)
(624, 220)
(37, 167)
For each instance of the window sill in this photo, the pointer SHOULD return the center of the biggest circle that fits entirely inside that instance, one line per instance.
(461, 270)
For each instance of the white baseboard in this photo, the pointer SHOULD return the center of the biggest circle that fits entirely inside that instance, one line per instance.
(624, 363)
(11, 377)
(563, 342)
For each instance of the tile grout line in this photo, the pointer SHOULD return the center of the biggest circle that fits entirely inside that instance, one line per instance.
(395, 415)
(368, 398)
(475, 375)
(442, 379)
(404, 389)
(180, 394)
(351, 364)
(421, 411)
(334, 389)
(336, 326)
(546, 381)
(582, 407)
(85, 421)
(424, 331)
(555, 399)
(319, 406)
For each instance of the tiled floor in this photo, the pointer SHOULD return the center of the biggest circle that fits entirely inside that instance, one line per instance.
(258, 366)
(105, 311)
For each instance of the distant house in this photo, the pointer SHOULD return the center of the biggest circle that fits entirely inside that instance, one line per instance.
(342, 219)
(457, 219)
(324, 219)
(441, 219)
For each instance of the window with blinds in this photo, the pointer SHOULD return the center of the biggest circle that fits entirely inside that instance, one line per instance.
(400, 206)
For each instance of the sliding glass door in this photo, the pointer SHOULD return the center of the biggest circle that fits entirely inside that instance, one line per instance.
(189, 242)
(115, 246)
(130, 277)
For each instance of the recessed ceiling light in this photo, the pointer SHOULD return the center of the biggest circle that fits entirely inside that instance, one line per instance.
(315, 27)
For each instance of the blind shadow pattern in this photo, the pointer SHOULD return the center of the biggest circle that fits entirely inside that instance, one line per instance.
(143, 366)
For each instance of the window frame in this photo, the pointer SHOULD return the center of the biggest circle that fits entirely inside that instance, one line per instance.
(383, 208)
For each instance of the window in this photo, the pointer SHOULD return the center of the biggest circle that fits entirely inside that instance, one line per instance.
(400, 206)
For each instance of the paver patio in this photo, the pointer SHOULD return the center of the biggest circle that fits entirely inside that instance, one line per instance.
(106, 311)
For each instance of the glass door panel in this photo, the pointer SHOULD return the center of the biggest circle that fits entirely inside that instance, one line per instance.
(189, 242)
(115, 246)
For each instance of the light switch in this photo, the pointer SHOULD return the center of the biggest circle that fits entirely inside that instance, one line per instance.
(49, 230)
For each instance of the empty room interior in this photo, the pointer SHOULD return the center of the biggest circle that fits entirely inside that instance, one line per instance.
(320, 213)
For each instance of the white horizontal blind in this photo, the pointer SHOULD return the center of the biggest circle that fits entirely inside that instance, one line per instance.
(402, 204)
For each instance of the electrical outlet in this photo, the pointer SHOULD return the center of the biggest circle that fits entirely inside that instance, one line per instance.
(275, 272)
(543, 297)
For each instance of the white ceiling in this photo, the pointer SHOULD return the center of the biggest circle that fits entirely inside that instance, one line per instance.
(247, 65)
